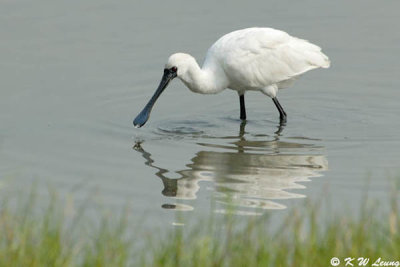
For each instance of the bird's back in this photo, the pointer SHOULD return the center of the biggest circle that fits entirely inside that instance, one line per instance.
(254, 58)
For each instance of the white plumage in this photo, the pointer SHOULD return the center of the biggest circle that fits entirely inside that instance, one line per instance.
(258, 57)
(261, 59)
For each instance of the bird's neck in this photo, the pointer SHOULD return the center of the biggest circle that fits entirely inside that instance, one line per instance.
(207, 80)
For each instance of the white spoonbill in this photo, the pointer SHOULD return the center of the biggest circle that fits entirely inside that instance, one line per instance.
(253, 59)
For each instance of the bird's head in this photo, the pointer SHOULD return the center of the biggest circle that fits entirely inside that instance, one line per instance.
(177, 66)
(180, 63)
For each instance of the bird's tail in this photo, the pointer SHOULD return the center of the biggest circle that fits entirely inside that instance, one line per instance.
(324, 60)
(314, 55)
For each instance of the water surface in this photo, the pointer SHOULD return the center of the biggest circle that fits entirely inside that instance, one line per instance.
(73, 75)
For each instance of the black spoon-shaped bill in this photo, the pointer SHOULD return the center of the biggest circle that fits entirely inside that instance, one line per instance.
(144, 115)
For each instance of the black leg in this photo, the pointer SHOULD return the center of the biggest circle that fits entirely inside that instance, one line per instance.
(282, 113)
(242, 108)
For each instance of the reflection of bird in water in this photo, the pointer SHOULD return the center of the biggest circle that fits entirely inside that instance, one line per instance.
(247, 173)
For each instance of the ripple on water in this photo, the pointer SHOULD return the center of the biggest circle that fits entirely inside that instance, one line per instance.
(184, 128)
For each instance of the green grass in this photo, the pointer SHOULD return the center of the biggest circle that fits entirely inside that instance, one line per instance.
(31, 236)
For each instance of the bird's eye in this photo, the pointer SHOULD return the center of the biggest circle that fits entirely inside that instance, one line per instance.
(174, 69)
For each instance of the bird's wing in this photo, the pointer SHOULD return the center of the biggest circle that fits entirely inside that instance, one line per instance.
(260, 57)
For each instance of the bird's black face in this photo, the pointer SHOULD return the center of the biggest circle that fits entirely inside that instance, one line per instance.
(169, 75)
(174, 70)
